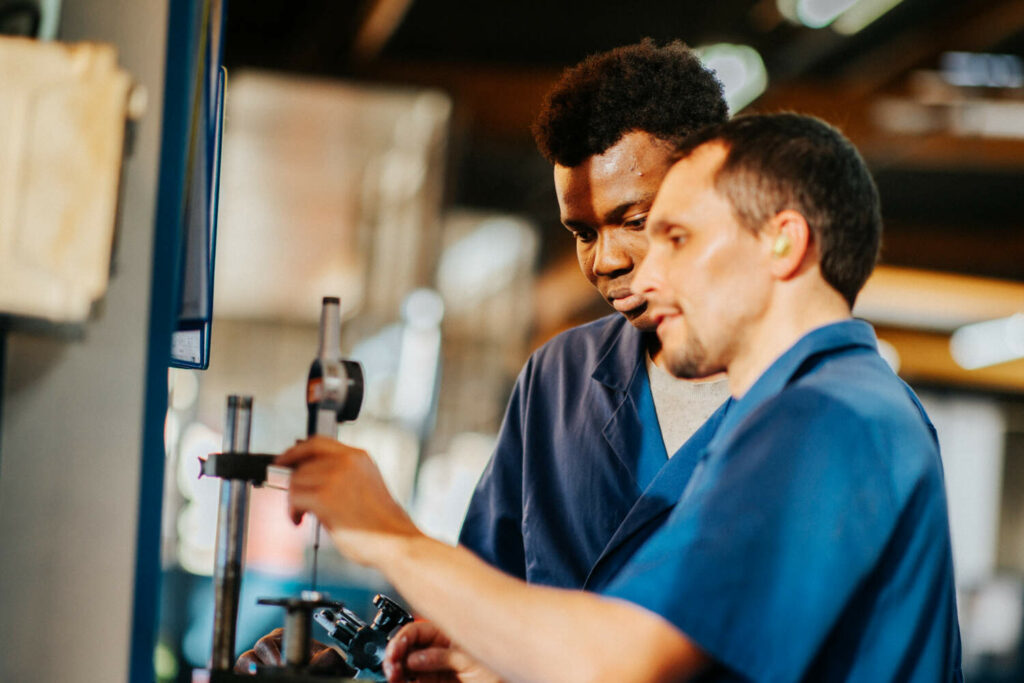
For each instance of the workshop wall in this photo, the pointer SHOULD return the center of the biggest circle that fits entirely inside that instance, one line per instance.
(73, 419)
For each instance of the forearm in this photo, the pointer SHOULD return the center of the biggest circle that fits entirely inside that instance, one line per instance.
(525, 633)
(533, 633)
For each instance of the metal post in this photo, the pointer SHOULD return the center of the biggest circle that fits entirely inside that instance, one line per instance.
(296, 640)
(231, 518)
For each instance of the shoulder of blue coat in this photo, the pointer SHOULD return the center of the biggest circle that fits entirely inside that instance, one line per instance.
(584, 344)
(860, 414)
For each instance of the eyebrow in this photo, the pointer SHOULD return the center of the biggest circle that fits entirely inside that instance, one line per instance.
(616, 214)
(656, 227)
(663, 225)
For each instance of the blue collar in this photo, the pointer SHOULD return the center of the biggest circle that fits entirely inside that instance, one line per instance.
(789, 366)
(621, 352)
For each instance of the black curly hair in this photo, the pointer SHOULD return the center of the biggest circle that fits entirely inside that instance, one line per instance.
(664, 91)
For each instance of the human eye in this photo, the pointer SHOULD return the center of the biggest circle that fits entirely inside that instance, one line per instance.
(636, 222)
(677, 237)
(582, 235)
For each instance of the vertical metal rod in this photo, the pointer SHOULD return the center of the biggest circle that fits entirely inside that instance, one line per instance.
(231, 517)
(296, 640)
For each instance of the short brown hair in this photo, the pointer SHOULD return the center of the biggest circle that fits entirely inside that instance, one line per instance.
(791, 161)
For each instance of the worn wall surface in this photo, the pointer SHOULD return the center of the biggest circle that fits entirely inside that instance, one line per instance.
(72, 422)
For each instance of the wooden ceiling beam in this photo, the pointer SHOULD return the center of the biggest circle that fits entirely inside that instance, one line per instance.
(496, 102)
(857, 116)
(975, 26)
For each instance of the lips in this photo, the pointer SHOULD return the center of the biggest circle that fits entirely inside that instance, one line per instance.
(664, 316)
(627, 302)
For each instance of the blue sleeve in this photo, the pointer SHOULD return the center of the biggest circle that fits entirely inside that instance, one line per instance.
(778, 529)
(492, 528)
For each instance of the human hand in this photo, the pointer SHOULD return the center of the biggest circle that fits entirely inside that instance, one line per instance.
(343, 488)
(267, 652)
(421, 652)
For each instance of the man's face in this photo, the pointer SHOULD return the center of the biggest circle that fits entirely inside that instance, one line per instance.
(604, 202)
(706, 277)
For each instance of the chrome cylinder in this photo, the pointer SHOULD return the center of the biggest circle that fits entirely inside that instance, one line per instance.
(296, 640)
(231, 519)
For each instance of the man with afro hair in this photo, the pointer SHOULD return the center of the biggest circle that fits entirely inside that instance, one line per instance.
(594, 417)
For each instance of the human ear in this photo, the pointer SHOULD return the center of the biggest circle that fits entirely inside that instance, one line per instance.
(782, 245)
(790, 237)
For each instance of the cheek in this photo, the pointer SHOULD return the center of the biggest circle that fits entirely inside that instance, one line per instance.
(585, 256)
(636, 245)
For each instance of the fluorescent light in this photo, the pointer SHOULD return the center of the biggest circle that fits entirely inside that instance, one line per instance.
(821, 13)
(988, 343)
(740, 70)
(980, 70)
(861, 15)
(844, 16)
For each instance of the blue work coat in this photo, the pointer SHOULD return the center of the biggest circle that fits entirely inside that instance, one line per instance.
(562, 501)
(812, 539)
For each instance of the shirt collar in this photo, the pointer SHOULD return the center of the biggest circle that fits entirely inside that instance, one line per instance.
(622, 348)
(826, 339)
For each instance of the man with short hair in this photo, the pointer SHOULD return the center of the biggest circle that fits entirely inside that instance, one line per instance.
(811, 541)
(593, 419)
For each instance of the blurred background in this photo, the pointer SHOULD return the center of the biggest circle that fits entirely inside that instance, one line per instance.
(380, 151)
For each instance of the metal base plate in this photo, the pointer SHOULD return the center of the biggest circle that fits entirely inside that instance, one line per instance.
(268, 674)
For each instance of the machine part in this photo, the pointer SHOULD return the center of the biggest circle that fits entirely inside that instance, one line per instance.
(232, 513)
(363, 643)
(334, 394)
(334, 389)
(390, 615)
(250, 467)
(268, 675)
(295, 643)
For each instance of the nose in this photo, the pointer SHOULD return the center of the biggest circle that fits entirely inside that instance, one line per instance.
(648, 274)
(610, 257)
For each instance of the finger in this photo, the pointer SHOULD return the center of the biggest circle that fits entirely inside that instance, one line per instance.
(246, 663)
(327, 660)
(393, 672)
(268, 649)
(297, 454)
(394, 655)
(301, 502)
(437, 659)
(314, 473)
(397, 647)
(309, 449)
(423, 633)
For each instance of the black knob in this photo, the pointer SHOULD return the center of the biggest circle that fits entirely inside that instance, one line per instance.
(390, 614)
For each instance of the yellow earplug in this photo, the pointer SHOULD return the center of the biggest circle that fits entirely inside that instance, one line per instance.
(781, 246)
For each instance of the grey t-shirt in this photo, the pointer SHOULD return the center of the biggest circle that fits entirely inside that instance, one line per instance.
(683, 406)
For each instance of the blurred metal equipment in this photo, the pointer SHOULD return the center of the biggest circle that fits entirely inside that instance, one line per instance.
(334, 395)
(231, 517)
(334, 390)
(295, 644)
(364, 643)
(238, 468)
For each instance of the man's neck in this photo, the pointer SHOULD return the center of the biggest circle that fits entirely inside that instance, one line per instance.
(781, 328)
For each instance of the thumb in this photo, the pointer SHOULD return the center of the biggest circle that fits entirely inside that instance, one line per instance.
(439, 659)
